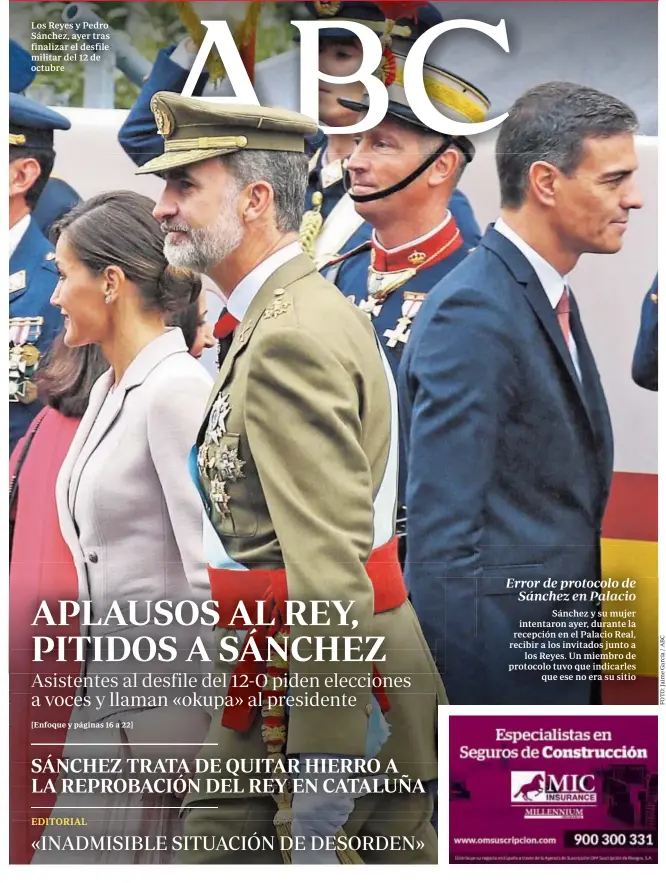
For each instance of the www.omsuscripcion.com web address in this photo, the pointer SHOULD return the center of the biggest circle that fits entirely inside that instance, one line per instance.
(513, 841)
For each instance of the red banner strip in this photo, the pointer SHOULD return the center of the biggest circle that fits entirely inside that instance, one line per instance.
(632, 508)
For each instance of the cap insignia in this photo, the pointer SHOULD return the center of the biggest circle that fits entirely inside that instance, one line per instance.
(162, 120)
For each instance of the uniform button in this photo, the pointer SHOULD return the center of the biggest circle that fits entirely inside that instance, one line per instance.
(368, 709)
(93, 558)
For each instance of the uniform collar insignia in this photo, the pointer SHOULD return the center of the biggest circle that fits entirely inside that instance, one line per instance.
(436, 246)
(17, 281)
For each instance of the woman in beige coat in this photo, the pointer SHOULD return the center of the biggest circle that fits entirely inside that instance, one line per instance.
(127, 507)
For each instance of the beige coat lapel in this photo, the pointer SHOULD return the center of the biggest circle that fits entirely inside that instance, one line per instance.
(93, 429)
(283, 277)
(64, 480)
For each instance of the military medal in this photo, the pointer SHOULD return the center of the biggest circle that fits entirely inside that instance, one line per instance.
(214, 418)
(219, 412)
(28, 393)
(219, 496)
(412, 301)
(219, 463)
(30, 354)
(371, 305)
(24, 357)
(228, 464)
(410, 307)
(399, 334)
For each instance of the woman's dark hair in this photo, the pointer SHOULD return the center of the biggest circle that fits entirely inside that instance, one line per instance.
(188, 320)
(67, 375)
(118, 229)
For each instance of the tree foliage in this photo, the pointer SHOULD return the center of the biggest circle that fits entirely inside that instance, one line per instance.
(150, 26)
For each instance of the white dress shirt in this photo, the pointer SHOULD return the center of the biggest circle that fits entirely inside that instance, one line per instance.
(246, 290)
(17, 232)
(551, 281)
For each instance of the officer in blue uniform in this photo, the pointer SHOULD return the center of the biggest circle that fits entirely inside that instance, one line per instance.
(644, 369)
(33, 321)
(340, 55)
(402, 190)
(401, 177)
(58, 197)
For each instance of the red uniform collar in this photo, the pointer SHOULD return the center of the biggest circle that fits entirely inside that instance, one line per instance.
(429, 249)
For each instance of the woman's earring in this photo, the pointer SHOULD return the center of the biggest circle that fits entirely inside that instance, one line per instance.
(107, 299)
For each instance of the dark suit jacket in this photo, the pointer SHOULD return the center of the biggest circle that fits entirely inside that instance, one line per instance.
(645, 366)
(509, 466)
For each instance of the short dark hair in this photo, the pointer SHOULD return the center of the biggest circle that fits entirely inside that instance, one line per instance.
(550, 123)
(118, 228)
(46, 158)
(67, 375)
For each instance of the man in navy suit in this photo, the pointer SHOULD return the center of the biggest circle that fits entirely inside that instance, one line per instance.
(645, 366)
(508, 433)
(33, 321)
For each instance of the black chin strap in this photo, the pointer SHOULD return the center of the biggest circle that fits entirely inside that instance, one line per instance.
(396, 188)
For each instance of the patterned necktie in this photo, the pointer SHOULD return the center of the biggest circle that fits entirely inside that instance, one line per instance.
(562, 311)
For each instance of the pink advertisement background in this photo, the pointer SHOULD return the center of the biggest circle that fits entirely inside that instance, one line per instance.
(620, 785)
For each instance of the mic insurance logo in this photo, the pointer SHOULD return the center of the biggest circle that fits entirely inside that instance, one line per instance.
(540, 787)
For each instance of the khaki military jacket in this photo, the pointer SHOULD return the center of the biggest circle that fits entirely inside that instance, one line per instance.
(298, 470)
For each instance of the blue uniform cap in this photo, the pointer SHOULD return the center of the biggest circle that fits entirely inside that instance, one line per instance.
(32, 124)
(369, 14)
(20, 67)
